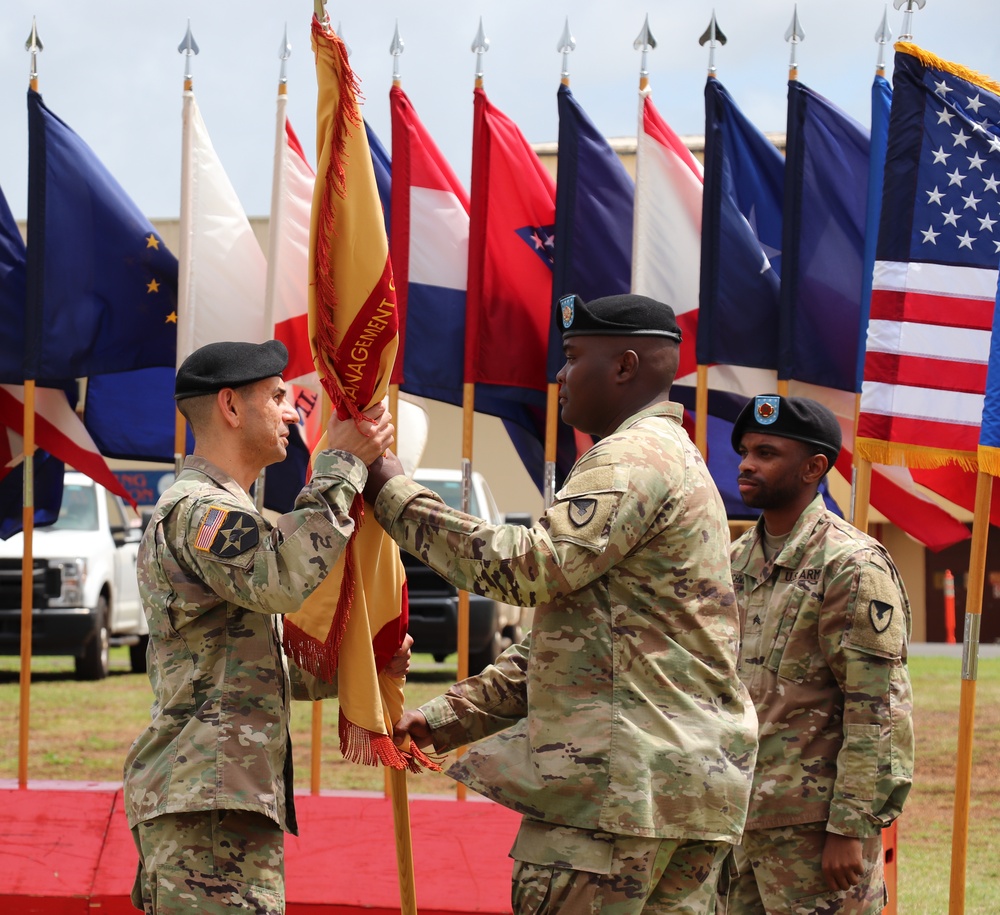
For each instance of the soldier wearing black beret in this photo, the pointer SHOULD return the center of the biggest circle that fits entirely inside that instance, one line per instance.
(797, 418)
(215, 577)
(825, 624)
(228, 365)
(633, 641)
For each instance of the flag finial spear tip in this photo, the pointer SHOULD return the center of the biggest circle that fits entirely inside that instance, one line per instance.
(188, 47)
(480, 45)
(566, 45)
(284, 52)
(794, 35)
(882, 37)
(714, 37)
(34, 46)
(904, 33)
(339, 32)
(395, 49)
(645, 42)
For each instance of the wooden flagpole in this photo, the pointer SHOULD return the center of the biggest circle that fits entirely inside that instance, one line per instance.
(401, 820)
(33, 46)
(967, 702)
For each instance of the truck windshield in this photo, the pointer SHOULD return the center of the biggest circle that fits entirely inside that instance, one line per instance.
(78, 511)
(451, 492)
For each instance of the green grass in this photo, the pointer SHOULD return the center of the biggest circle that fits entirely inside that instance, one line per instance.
(81, 731)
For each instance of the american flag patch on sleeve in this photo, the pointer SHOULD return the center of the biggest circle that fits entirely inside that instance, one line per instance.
(210, 527)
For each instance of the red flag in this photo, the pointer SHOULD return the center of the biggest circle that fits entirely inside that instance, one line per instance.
(59, 431)
(511, 242)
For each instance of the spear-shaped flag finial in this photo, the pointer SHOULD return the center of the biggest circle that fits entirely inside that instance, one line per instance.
(284, 52)
(319, 8)
(793, 35)
(645, 42)
(713, 37)
(188, 47)
(882, 37)
(566, 45)
(905, 33)
(480, 45)
(34, 47)
(395, 49)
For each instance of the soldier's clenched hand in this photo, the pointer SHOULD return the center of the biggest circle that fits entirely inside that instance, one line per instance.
(365, 439)
(413, 724)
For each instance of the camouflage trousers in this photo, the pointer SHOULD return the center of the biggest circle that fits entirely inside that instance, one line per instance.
(779, 872)
(561, 869)
(211, 861)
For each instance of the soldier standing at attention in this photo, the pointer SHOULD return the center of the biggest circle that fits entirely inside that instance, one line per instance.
(618, 727)
(208, 785)
(825, 622)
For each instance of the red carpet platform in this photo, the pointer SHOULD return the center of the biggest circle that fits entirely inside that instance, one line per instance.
(65, 849)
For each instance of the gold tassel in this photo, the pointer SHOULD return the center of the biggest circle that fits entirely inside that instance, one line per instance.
(937, 63)
(882, 452)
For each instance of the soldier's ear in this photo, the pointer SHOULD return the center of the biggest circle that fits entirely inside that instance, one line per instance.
(814, 468)
(227, 400)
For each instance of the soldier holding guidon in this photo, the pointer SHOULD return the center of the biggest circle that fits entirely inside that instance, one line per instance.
(208, 785)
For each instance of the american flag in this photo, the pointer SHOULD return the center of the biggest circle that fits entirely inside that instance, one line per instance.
(935, 274)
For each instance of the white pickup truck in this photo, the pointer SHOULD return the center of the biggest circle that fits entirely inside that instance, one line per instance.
(86, 597)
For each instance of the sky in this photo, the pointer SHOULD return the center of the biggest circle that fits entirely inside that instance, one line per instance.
(111, 70)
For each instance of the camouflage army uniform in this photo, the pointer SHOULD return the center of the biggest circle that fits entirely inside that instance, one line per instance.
(214, 577)
(825, 629)
(621, 713)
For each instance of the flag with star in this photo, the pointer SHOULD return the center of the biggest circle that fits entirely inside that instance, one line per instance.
(823, 239)
(511, 251)
(741, 238)
(101, 284)
(935, 276)
(989, 435)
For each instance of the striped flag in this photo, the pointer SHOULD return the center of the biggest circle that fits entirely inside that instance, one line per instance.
(935, 275)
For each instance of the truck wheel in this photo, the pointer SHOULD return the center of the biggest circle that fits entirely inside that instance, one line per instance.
(93, 664)
(478, 660)
(137, 655)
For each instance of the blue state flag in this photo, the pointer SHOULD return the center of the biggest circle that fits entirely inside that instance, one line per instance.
(826, 203)
(595, 198)
(101, 284)
(382, 166)
(741, 239)
(989, 431)
(12, 292)
(881, 106)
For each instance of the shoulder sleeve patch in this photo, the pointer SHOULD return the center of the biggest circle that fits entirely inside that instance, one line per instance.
(226, 533)
(879, 622)
(586, 507)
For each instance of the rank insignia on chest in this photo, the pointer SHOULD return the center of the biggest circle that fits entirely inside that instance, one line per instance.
(880, 613)
(582, 510)
(226, 534)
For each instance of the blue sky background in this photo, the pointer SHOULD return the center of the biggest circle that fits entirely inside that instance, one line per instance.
(111, 70)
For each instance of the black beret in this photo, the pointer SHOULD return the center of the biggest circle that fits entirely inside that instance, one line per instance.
(617, 316)
(228, 365)
(790, 417)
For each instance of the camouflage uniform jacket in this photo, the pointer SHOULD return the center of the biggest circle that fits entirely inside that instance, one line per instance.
(622, 710)
(212, 572)
(825, 629)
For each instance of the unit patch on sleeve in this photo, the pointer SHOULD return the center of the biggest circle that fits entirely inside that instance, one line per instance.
(879, 622)
(226, 533)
